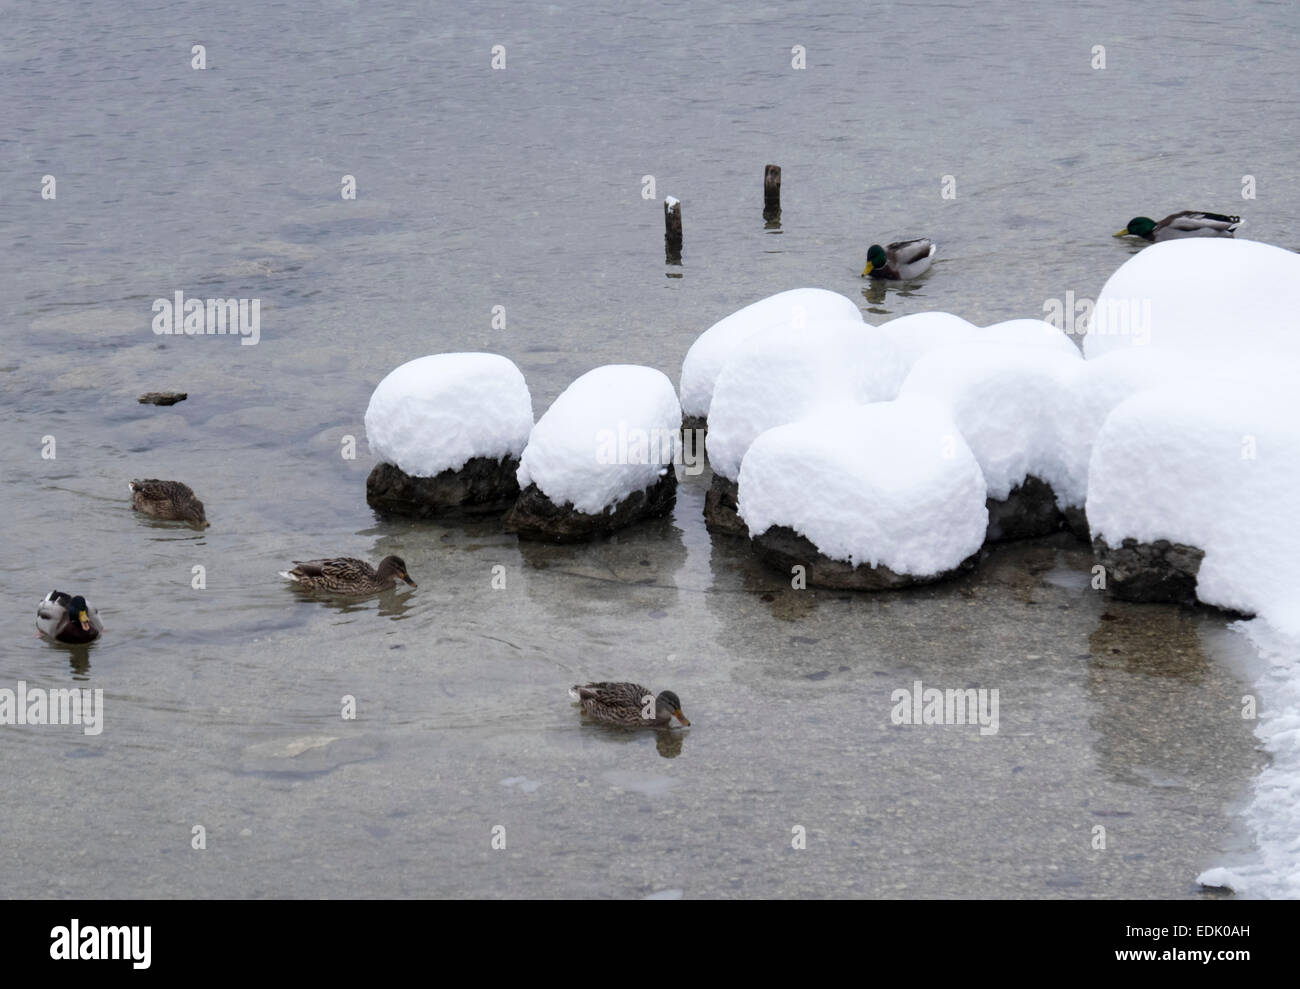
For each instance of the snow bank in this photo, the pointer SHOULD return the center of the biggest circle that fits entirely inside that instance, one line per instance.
(1014, 406)
(1275, 804)
(612, 432)
(1218, 469)
(888, 484)
(778, 377)
(1035, 332)
(435, 413)
(793, 310)
(1215, 295)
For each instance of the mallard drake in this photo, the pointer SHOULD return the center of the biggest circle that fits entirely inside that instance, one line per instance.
(900, 260)
(68, 618)
(1188, 223)
(625, 703)
(171, 501)
(346, 575)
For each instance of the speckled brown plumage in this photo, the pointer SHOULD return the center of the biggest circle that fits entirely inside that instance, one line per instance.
(347, 575)
(625, 703)
(170, 501)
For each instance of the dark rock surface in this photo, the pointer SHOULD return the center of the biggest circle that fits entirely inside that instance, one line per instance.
(535, 516)
(720, 509)
(695, 422)
(1158, 571)
(162, 397)
(1029, 510)
(482, 487)
(1076, 520)
(783, 548)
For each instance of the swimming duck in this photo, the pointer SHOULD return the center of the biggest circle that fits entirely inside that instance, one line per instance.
(346, 575)
(900, 260)
(68, 618)
(1188, 223)
(171, 501)
(624, 704)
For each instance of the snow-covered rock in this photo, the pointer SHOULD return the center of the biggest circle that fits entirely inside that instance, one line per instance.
(606, 446)
(919, 333)
(1028, 331)
(1215, 469)
(883, 494)
(1013, 405)
(1216, 296)
(779, 377)
(794, 310)
(434, 413)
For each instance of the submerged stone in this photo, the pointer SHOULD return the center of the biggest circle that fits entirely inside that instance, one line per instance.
(783, 548)
(484, 486)
(536, 516)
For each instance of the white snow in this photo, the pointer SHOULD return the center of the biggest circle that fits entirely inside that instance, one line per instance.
(670, 202)
(435, 413)
(1013, 404)
(794, 310)
(1215, 296)
(921, 332)
(1273, 870)
(1217, 468)
(1028, 331)
(612, 432)
(779, 377)
(887, 484)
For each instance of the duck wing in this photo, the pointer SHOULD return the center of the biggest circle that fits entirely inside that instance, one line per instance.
(909, 251)
(340, 567)
(1192, 220)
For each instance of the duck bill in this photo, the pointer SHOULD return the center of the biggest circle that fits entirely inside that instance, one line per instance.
(868, 269)
(84, 619)
(681, 717)
(1122, 233)
(407, 578)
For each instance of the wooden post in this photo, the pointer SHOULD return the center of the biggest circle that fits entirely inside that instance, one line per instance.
(672, 230)
(771, 192)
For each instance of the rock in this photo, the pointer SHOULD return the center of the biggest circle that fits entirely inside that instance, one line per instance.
(482, 487)
(695, 422)
(1158, 571)
(1028, 510)
(535, 516)
(783, 548)
(720, 516)
(1076, 520)
(162, 397)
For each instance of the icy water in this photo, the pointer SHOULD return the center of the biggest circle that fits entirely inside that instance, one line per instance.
(522, 188)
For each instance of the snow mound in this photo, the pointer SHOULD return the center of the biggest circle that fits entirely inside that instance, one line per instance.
(1215, 295)
(888, 484)
(779, 377)
(922, 332)
(435, 413)
(1013, 405)
(612, 432)
(1221, 474)
(794, 310)
(1274, 871)
(1028, 332)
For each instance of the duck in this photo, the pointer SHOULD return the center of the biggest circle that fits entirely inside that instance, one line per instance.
(347, 575)
(624, 703)
(68, 618)
(1188, 223)
(902, 259)
(170, 501)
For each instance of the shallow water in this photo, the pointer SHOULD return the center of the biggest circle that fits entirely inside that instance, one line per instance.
(522, 188)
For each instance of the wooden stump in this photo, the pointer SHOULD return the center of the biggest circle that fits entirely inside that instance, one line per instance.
(772, 192)
(672, 230)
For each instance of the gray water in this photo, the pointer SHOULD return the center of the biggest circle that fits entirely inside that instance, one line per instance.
(522, 188)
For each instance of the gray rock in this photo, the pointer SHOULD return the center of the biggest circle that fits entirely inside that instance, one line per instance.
(720, 515)
(535, 516)
(482, 487)
(1029, 510)
(783, 548)
(695, 422)
(1158, 571)
(162, 397)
